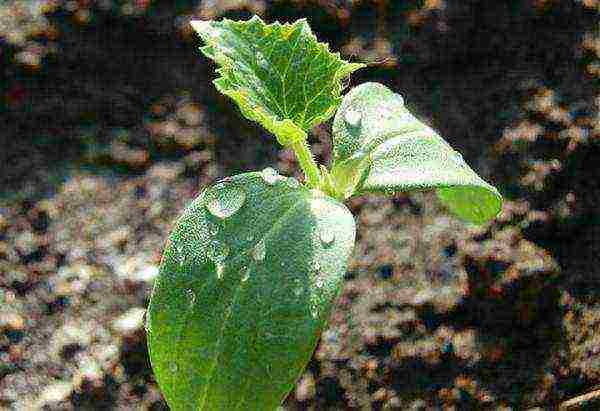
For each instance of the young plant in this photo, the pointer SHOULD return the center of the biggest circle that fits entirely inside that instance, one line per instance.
(253, 266)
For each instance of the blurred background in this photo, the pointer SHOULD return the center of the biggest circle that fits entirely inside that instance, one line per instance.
(109, 126)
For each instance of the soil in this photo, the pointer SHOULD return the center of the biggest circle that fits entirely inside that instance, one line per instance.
(110, 126)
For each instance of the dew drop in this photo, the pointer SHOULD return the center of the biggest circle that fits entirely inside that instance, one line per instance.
(224, 202)
(458, 159)
(245, 274)
(353, 117)
(173, 367)
(259, 251)
(399, 99)
(319, 282)
(270, 176)
(315, 265)
(327, 237)
(292, 183)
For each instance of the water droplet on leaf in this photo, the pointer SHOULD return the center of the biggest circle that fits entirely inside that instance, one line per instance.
(327, 237)
(292, 182)
(270, 175)
(191, 296)
(245, 274)
(353, 117)
(458, 159)
(319, 283)
(173, 367)
(316, 266)
(224, 202)
(399, 99)
(259, 251)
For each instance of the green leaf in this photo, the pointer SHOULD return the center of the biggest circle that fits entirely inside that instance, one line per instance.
(379, 146)
(248, 277)
(278, 74)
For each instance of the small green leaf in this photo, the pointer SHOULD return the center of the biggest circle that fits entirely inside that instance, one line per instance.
(379, 146)
(278, 74)
(247, 280)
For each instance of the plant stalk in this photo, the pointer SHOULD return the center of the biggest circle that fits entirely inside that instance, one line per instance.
(307, 163)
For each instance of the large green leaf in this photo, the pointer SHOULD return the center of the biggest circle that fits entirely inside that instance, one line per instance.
(248, 277)
(278, 74)
(379, 146)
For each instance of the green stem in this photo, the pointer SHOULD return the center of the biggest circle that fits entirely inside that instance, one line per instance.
(307, 163)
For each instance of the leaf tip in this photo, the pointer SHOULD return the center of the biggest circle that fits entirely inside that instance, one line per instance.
(303, 23)
(348, 68)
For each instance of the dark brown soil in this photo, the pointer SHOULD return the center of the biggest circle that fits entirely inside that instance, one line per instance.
(110, 126)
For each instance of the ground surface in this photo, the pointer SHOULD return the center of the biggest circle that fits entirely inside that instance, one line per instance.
(110, 126)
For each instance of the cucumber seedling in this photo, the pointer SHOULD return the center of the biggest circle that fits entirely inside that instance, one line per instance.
(253, 266)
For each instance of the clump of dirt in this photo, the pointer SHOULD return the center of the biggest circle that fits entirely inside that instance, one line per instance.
(79, 272)
(106, 139)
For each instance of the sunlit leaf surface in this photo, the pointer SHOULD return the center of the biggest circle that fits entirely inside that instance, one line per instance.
(373, 130)
(248, 277)
(278, 74)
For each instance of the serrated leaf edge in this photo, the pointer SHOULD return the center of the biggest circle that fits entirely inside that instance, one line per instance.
(286, 130)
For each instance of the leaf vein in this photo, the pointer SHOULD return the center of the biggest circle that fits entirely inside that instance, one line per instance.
(237, 293)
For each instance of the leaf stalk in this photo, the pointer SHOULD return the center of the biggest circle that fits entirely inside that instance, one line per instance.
(307, 162)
